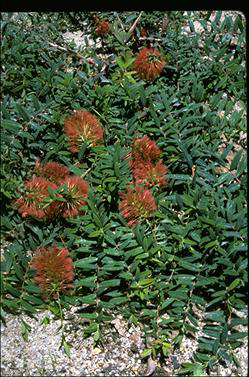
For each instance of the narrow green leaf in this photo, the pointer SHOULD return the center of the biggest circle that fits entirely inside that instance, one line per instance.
(89, 282)
(216, 316)
(146, 353)
(190, 266)
(237, 335)
(118, 300)
(82, 262)
(22, 112)
(234, 284)
(89, 299)
(236, 159)
(10, 125)
(109, 283)
(88, 315)
(149, 313)
(26, 306)
(67, 348)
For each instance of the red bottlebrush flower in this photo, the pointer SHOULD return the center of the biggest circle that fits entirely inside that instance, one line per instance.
(54, 270)
(52, 171)
(82, 127)
(149, 63)
(31, 203)
(136, 205)
(150, 174)
(103, 27)
(145, 149)
(77, 190)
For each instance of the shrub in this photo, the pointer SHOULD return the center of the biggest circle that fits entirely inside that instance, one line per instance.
(140, 174)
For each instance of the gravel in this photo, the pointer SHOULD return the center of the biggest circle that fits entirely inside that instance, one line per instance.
(39, 353)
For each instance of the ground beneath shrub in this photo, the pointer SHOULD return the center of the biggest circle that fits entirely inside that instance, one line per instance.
(38, 353)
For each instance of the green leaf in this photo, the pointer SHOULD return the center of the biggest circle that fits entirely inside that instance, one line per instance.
(109, 283)
(13, 291)
(82, 150)
(32, 288)
(237, 335)
(179, 177)
(10, 125)
(25, 329)
(26, 306)
(89, 299)
(22, 112)
(190, 266)
(234, 284)
(88, 315)
(84, 261)
(67, 348)
(224, 178)
(146, 353)
(211, 244)
(180, 294)
(216, 316)
(36, 103)
(186, 154)
(188, 200)
(242, 166)
(89, 282)
(149, 313)
(236, 159)
(126, 275)
(33, 299)
(118, 300)
(223, 336)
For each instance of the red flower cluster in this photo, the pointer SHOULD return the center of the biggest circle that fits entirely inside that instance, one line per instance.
(54, 270)
(77, 190)
(37, 201)
(31, 204)
(147, 168)
(149, 63)
(82, 127)
(144, 150)
(150, 174)
(103, 27)
(136, 205)
(52, 171)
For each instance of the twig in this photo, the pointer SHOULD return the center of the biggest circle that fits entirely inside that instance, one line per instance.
(133, 26)
(149, 38)
(135, 23)
(85, 173)
(121, 24)
(69, 50)
(65, 49)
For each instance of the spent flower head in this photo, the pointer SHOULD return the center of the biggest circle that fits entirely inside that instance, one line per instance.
(81, 127)
(149, 63)
(103, 27)
(54, 270)
(136, 204)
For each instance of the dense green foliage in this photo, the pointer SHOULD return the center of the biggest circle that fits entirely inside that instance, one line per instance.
(192, 254)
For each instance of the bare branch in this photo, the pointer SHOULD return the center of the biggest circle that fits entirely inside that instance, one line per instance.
(135, 23)
(121, 24)
(70, 51)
